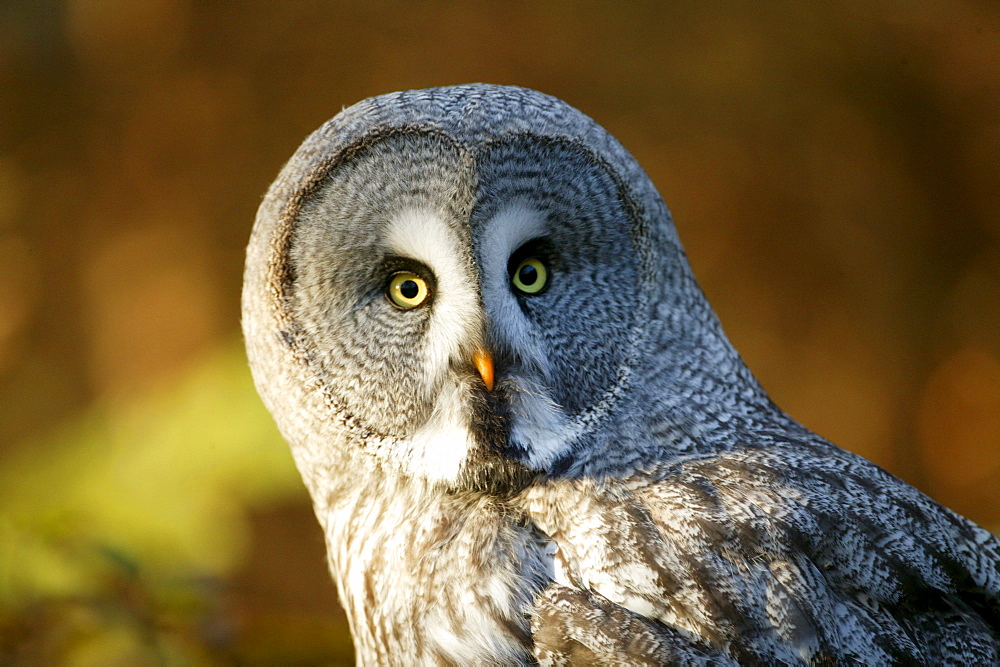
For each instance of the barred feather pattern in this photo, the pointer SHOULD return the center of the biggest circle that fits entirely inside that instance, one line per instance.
(788, 551)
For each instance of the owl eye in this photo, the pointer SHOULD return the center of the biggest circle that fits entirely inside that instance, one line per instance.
(406, 290)
(530, 276)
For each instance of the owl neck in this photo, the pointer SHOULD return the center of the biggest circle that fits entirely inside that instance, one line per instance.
(424, 574)
(689, 395)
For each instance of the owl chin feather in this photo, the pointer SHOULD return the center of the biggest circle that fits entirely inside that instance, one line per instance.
(495, 465)
(492, 474)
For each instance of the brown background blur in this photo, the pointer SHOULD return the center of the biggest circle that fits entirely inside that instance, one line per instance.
(833, 169)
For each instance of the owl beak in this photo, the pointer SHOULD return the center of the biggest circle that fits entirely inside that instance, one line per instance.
(483, 362)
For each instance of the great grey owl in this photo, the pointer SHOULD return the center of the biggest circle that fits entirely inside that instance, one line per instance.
(527, 438)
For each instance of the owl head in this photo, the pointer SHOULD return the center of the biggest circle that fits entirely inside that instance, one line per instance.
(469, 286)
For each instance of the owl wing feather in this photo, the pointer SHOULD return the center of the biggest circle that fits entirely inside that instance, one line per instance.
(576, 627)
(794, 551)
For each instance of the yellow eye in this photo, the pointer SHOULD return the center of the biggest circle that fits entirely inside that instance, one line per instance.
(531, 276)
(406, 290)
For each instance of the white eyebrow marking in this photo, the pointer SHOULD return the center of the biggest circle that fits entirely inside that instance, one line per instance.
(509, 229)
(423, 235)
(439, 448)
(539, 424)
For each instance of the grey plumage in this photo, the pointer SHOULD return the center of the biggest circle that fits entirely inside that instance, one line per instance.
(627, 492)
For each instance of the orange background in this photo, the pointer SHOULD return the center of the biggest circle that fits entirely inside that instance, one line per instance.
(833, 169)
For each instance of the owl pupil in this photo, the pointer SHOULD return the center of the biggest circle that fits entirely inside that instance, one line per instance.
(528, 275)
(409, 289)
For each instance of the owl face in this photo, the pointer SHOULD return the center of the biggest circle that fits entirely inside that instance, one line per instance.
(418, 260)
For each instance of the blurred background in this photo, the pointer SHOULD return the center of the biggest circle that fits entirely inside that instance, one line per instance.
(833, 169)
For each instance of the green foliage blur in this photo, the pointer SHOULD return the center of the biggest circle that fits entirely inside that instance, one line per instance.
(832, 169)
(118, 532)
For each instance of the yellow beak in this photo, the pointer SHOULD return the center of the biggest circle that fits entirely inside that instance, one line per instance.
(483, 362)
